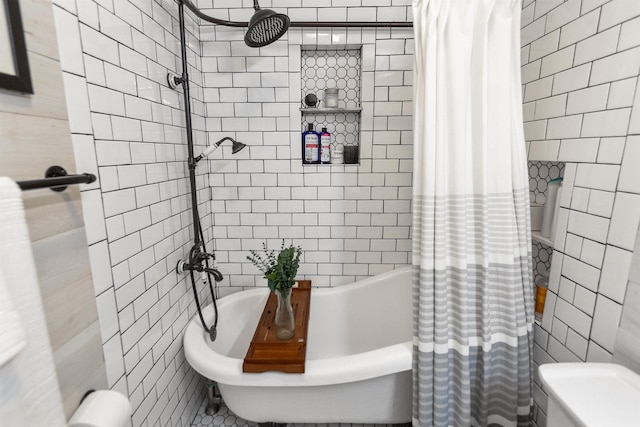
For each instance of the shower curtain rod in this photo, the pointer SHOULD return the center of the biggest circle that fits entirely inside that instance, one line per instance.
(301, 24)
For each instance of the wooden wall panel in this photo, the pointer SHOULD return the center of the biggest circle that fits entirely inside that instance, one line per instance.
(34, 134)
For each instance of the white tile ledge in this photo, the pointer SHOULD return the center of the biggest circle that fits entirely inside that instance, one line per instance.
(537, 237)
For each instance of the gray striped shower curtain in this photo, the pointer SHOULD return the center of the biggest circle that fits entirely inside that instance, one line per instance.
(472, 272)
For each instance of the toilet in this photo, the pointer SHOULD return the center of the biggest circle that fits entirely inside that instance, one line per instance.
(591, 395)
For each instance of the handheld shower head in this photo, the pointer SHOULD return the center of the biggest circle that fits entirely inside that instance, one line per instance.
(237, 146)
(265, 26)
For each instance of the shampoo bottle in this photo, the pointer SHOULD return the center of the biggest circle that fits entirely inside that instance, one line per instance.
(325, 146)
(311, 145)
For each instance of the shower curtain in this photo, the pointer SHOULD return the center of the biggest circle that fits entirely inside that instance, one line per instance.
(472, 272)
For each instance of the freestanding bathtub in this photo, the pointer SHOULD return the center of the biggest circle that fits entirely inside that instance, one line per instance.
(358, 367)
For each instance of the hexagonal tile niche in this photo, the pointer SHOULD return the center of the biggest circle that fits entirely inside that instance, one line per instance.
(323, 68)
(332, 68)
(540, 173)
(541, 255)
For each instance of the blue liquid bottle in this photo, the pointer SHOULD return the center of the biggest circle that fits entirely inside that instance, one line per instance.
(310, 146)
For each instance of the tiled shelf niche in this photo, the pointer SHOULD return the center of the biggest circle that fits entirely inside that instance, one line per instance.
(333, 67)
(540, 173)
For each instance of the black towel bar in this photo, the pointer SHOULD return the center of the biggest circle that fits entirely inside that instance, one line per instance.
(56, 179)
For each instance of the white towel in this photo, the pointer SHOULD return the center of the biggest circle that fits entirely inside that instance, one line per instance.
(29, 392)
(12, 337)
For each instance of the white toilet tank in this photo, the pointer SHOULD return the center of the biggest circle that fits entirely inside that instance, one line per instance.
(591, 395)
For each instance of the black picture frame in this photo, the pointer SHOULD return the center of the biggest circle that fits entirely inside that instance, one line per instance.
(21, 80)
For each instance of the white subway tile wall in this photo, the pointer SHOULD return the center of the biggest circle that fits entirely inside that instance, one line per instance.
(351, 221)
(580, 67)
(129, 129)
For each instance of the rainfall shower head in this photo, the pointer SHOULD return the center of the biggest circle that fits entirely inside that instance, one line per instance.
(237, 146)
(265, 26)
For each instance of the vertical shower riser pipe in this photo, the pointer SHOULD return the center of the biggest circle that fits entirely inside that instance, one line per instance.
(189, 126)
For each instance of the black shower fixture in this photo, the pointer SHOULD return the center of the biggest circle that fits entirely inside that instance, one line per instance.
(174, 80)
(237, 146)
(265, 26)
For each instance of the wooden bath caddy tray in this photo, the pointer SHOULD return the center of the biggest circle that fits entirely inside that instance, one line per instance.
(268, 353)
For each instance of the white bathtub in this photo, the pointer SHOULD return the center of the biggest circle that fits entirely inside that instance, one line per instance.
(358, 367)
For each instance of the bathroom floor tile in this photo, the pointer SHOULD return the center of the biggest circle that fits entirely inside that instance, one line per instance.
(226, 418)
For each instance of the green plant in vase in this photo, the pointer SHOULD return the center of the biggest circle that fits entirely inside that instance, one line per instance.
(280, 271)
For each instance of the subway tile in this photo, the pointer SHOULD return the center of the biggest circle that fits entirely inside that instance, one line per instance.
(572, 79)
(597, 354)
(544, 45)
(100, 266)
(584, 300)
(588, 5)
(621, 93)
(599, 177)
(601, 203)
(580, 199)
(93, 216)
(624, 220)
(587, 100)
(94, 70)
(532, 32)
(592, 253)
(634, 125)
(590, 226)
(535, 130)
(561, 228)
(629, 34)
(605, 322)
(109, 178)
(107, 314)
(579, 150)
(574, 318)
(98, 45)
(68, 35)
(565, 127)
(538, 89)
(85, 157)
(566, 291)
(577, 344)
(615, 273)
(580, 29)
(611, 150)
(106, 101)
(617, 11)
(598, 46)
(543, 7)
(114, 27)
(115, 227)
(528, 112)
(549, 311)
(126, 129)
(606, 123)
(116, 202)
(557, 61)
(619, 66)
(567, 184)
(563, 14)
(114, 364)
(559, 331)
(551, 107)
(556, 269)
(581, 273)
(629, 170)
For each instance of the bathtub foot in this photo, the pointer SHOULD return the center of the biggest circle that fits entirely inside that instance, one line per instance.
(213, 399)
